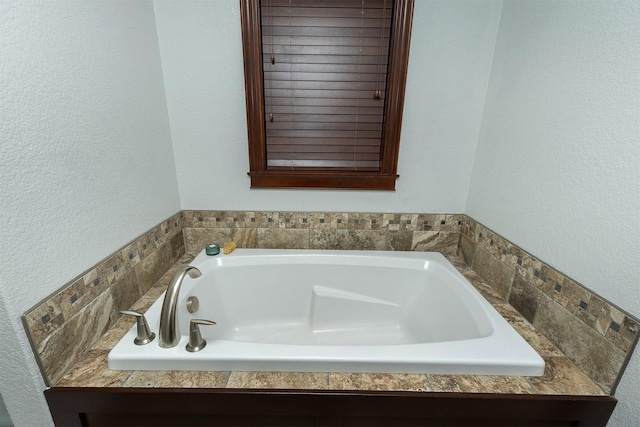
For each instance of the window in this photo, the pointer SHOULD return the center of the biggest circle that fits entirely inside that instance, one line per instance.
(325, 90)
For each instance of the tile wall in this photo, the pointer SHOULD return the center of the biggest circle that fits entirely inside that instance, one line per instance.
(323, 230)
(67, 323)
(593, 333)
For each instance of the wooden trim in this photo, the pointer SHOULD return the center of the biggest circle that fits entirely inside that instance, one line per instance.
(253, 83)
(264, 177)
(399, 63)
(187, 407)
(323, 179)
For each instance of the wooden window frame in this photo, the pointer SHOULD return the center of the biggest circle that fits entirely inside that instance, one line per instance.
(264, 177)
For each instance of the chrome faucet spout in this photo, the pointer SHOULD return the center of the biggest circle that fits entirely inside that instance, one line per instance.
(168, 334)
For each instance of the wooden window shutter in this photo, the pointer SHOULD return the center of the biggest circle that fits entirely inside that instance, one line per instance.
(325, 88)
(325, 72)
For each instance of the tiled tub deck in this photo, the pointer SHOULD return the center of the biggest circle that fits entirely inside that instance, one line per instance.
(585, 341)
(562, 376)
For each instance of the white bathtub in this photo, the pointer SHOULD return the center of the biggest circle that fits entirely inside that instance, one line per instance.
(335, 311)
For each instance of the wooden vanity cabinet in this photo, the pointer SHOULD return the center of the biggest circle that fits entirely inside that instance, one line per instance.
(249, 407)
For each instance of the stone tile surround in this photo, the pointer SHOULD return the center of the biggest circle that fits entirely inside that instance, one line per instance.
(323, 230)
(66, 324)
(594, 334)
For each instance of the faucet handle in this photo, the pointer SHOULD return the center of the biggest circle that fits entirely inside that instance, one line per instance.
(145, 336)
(196, 342)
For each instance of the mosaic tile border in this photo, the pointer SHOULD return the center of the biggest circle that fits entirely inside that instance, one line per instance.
(323, 220)
(598, 336)
(55, 326)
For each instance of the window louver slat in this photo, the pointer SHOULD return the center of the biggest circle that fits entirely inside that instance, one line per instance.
(330, 58)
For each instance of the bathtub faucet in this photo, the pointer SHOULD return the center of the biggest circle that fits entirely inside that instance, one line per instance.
(168, 335)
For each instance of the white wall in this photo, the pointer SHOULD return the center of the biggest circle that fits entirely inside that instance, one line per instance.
(451, 50)
(557, 169)
(86, 162)
(85, 149)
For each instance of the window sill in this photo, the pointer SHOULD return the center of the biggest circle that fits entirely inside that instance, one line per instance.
(323, 179)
